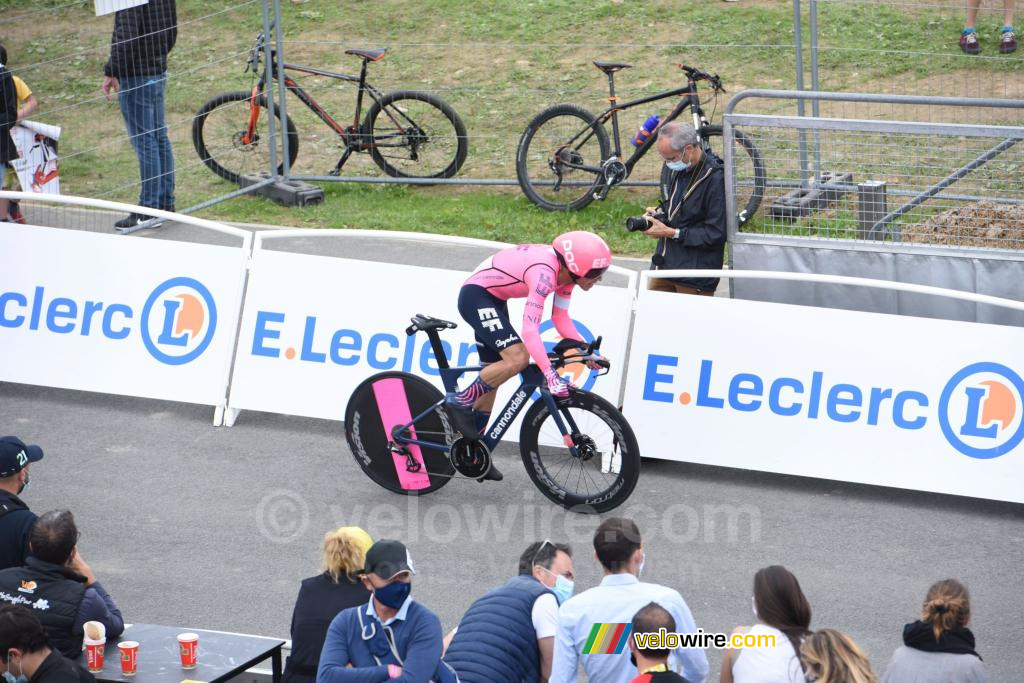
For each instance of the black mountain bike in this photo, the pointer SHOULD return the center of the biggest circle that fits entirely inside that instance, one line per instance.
(579, 451)
(565, 161)
(409, 134)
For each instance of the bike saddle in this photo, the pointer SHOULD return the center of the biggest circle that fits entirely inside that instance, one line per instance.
(611, 67)
(425, 323)
(369, 55)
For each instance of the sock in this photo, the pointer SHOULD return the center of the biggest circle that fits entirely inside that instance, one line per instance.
(969, 29)
(469, 395)
(1007, 29)
(481, 419)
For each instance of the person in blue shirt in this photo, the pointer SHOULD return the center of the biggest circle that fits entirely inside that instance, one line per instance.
(619, 549)
(391, 637)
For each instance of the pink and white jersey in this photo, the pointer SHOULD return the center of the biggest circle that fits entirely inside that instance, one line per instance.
(530, 271)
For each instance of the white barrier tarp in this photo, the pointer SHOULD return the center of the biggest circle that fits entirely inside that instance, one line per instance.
(137, 317)
(314, 327)
(914, 403)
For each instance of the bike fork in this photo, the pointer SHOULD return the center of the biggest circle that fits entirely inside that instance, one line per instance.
(249, 136)
(555, 413)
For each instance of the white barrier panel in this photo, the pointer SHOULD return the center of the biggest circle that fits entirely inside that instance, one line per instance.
(913, 403)
(97, 312)
(314, 327)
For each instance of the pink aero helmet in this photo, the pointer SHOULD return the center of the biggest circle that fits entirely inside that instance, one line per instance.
(584, 254)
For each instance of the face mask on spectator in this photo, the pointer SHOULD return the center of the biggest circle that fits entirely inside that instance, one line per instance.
(9, 677)
(563, 588)
(394, 594)
(677, 165)
(24, 485)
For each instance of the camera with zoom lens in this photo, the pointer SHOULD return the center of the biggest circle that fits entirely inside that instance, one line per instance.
(639, 223)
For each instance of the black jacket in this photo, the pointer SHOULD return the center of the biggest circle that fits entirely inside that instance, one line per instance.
(697, 203)
(57, 668)
(8, 116)
(142, 38)
(54, 594)
(16, 522)
(319, 601)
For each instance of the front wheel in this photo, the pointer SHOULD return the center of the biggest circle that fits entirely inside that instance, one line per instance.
(559, 158)
(750, 174)
(602, 474)
(389, 400)
(416, 135)
(233, 139)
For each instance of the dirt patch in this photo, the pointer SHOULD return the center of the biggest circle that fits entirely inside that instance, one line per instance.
(984, 224)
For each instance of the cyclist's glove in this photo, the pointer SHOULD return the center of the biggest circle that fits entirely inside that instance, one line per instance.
(556, 385)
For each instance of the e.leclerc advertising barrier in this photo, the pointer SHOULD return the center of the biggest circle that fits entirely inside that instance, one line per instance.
(137, 317)
(914, 403)
(314, 327)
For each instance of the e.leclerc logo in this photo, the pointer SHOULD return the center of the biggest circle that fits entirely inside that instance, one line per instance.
(980, 411)
(176, 323)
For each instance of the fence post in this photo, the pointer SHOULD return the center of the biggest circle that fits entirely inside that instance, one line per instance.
(871, 208)
(812, 9)
(268, 90)
(282, 91)
(799, 43)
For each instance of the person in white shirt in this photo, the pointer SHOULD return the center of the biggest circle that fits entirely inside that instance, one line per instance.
(619, 549)
(507, 636)
(782, 611)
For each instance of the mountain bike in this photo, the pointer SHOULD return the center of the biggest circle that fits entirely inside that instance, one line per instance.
(565, 160)
(579, 451)
(407, 133)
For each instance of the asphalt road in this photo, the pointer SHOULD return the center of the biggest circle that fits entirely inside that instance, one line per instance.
(187, 524)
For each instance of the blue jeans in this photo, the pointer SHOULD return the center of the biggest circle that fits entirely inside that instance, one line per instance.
(142, 104)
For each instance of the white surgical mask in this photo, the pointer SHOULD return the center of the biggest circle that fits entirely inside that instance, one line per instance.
(677, 165)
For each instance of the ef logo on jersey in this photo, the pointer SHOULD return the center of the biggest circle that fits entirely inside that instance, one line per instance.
(489, 319)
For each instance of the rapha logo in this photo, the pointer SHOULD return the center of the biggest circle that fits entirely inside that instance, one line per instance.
(511, 339)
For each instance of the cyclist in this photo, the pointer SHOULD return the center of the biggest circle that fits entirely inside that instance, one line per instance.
(533, 272)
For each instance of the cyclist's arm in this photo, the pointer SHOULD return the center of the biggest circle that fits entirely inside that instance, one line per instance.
(564, 325)
(540, 282)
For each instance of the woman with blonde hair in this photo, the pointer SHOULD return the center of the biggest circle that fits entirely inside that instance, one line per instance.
(832, 657)
(939, 648)
(321, 597)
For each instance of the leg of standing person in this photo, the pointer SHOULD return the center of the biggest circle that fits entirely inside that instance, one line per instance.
(165, 154)
(1007, 37)
(969, 36)
(137, 106)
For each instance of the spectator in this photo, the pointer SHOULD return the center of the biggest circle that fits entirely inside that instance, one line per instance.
(690, 227)
(939, 647)
(652, 663)
(27, 656)
(137, 72)
(27, 105)
(59, 586)
(15, 518)
(508, 635)
(832, 657)
(969, 36)
(322, 597)
(782, 612)
(620, 595)
(393, 636)
(8, 118)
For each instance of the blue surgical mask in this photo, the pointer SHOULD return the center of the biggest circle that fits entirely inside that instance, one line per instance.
(677, 165)
(563, 589)
(10, 678)
(394, 594)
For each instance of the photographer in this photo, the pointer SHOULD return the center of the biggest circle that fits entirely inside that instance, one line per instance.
(690, 224)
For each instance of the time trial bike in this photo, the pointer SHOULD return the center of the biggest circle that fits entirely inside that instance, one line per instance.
(565, 159)
(579, 450)
(407, 133)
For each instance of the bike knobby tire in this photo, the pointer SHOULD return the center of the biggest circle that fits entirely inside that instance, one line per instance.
(388, 400)
(555, 141)
(218, 134)
(597, 483)
(750, 173)
(416, 135)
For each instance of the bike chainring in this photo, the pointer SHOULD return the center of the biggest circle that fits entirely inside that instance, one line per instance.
(614, 172)
(470, 458)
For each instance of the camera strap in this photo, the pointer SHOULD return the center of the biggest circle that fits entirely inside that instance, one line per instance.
(695, 180)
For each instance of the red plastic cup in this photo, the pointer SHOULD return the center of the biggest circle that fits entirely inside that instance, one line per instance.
(188, 647)
(94, 654)
(129, 657)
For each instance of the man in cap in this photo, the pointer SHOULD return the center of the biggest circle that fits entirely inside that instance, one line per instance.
(16, 519)
(390, 637)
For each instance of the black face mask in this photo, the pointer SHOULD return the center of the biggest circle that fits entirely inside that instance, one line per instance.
(632, 658)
